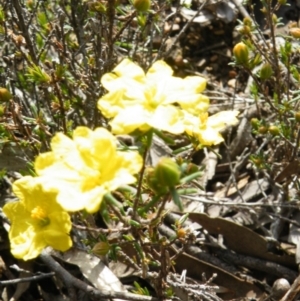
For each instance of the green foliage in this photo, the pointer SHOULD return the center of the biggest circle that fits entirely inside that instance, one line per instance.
(274, 69)
(37, 75)
(140, 290)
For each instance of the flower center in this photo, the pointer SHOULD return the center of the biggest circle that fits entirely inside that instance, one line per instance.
(153, 100)
(39, 214)
(203, 119)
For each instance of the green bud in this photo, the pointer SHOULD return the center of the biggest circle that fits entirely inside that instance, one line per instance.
(142, 5)
(264, 10)
(257, 161)
(266, 71)
(245, 30)
(282, 2)
(5, 95)
(297, 116)
(274, 130)
(167, 172)
(153, 183)
(2, 110)
(254, 123)
(263, 129)
(241, 53)
(247, 21)
(101, 248)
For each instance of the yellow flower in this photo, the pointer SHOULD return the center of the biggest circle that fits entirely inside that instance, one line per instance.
(37, 220)
(139, 101)
(85, 168)
(167, 118)
(207, 128)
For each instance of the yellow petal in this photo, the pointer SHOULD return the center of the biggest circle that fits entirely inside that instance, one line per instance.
(61, 144)
(33, 217)
(168, 118)
(158, 70)
(130, 163)
(194, 103)
(125, 75)
(95, 147)
(60, 222)
(25, 245)
(129, 120)
(129, 69)
(194, 84)
(192, 124)
(92, 168)
(74, 199)
(60, 240)
(30, 190)
(221, 119)
(111, 103)
(209, 136)
(56, 169)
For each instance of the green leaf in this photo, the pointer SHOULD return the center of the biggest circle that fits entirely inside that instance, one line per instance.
(176, 198)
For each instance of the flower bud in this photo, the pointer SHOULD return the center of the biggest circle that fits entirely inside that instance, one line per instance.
(262, 129)
(167, 172)
(2, 110)
(257, 161)
(153, 183)
(295, 32)
(274, 130)
(245, 30)
(181, 233)
(142, 5)
(282, 2)
(101, 248)
(254, 123)
(266, 71)
(30, 4)
(263, 10)
(5, 95)
(241, 53)
(247, 21)
(297, 116)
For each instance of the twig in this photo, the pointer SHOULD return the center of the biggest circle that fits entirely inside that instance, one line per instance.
(140, 181)
(183, 30)
(242, 9)
(72, 282)
(25, 30)
(110, 40)
(61, 105)
(258, 264)
(228, 202)
(127, 23)
(26, 279)
(100, 230)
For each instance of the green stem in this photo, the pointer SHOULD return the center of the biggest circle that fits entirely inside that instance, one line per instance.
(149, 136)
(151, 204)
